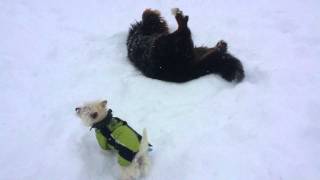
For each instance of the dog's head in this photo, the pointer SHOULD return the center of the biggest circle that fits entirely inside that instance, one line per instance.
(93, 112)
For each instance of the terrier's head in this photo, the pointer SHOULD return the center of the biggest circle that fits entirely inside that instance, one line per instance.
(93, 112)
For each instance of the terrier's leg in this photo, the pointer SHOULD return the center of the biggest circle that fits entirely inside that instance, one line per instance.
(126, 173)
(144, 164)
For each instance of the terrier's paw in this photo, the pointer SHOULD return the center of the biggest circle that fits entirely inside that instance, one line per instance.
(222, 46)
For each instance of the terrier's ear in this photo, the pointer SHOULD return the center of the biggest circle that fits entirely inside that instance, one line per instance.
(104, 103)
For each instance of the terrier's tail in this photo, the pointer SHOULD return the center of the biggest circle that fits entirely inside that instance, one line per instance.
(141, 162)
(144, 145)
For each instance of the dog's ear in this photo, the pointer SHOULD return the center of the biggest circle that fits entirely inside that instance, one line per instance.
(104, 103)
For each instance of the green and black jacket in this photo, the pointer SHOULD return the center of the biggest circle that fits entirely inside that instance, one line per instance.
(113, 133)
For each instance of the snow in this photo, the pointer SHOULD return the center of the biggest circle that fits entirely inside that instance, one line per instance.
(56, 55)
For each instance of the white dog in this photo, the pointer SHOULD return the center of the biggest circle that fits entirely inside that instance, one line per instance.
(115, 134)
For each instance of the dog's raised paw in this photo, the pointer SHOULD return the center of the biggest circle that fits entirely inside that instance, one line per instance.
(222, 46)
(150, 11)
(182, 20)
(176, 11)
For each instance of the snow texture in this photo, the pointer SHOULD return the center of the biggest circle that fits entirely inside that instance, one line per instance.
(55, 55)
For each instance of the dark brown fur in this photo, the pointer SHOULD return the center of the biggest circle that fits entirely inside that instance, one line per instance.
(172, 56)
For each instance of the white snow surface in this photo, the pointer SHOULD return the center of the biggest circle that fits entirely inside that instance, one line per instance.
(56, 55)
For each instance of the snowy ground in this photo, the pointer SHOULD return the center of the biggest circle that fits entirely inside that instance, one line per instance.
(55, 55)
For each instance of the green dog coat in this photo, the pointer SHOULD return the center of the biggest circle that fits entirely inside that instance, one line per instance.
(113, 133)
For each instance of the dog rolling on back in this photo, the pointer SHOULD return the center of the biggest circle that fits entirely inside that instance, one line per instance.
(172, 56)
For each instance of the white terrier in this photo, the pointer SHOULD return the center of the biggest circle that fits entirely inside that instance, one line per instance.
(115, 134)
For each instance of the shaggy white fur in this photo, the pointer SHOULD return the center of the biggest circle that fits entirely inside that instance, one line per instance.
(92, 112)
(96, 111)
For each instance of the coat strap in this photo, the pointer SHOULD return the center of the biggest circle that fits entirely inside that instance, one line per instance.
(123, 151)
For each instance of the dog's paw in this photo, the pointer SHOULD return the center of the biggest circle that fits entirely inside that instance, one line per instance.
(180, 17)
(222, 46)
(176, 11)
(150, 12)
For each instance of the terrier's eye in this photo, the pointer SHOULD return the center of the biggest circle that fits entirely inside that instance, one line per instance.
(94, 115)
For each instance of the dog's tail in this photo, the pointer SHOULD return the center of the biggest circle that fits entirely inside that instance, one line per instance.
(140, 164)
(143, 149)
(144, 144)
(141, 160)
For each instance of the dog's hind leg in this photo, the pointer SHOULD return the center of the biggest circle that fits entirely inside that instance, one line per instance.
(152, 22)
(217, 60)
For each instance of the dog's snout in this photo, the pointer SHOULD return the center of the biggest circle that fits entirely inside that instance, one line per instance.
(77, 110)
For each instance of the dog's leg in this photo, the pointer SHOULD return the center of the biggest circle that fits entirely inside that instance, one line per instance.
(144, 164)
(221, 47)
(152, 22)
(177, 47)
(126, 173)
(201, 52)
(181, 19)
(182, 36)
(217, 60)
